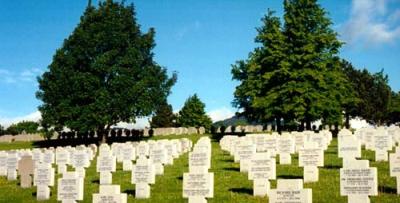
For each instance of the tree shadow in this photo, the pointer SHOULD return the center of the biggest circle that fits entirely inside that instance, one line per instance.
(130, 192)
(227, 160)
(242, 190)
(96, 181)
(231, 169)
(179, 178)
(289, 177)
(387, 190)
(332, 167)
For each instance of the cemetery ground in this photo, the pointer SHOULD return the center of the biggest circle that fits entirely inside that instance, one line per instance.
(229, 184)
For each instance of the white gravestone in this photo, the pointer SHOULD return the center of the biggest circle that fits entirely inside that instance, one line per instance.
(262, 169)
(394, 160)
(349, 147)
(110, 194)
(382, 143)
(70, 187)
(12, 163)
(105, 165)
(358, 181)
(43, 178)
(143, 174)
(199, 162)
(290, 191)
(198, 186)
(159, 156)
(243, 154)
(3, 163)
(310, 158)
(128, 154)
(285, 147)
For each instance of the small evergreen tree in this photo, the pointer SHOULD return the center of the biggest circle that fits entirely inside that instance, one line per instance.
(193, 114)
(164, 116)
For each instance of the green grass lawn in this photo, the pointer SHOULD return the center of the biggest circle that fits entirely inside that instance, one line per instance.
(229, 184)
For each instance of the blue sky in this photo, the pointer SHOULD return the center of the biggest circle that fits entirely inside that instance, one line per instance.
(198, 39)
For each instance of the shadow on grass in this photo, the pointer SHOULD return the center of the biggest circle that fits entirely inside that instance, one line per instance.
(330, 152)
(130, 192)
(289, 177)
(179, 178)
(332, 167)
(84, 141)
(242, 190)
(387, 190)
(96, 181)
(226, 160)
(231, 169)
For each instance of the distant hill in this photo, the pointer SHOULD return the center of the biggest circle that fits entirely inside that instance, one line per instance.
(234, 121)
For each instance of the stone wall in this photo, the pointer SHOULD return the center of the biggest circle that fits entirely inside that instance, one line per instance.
(22, 138)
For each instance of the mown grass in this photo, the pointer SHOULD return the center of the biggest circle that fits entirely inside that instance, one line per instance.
(229, 184)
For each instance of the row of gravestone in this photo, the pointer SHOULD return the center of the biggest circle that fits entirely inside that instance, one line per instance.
(146, 132)
(380, 140)
(256, 155)
(198, 183)
(149, 157)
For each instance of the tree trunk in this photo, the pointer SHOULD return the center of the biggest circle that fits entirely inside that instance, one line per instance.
(301, 129)
(103, 133)
(347, 123)
(308, 124)
(278, 125)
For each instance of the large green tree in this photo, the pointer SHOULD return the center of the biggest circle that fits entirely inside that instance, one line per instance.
(373, 98)
(394, 109)
(104, 73)
(263, 74)
(295, 74)
(193, 114)
(23, 126)
(163, 117)
(316, 83)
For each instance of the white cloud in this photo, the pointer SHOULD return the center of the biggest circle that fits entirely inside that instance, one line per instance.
(26, 75)
(221, 114)
(193, 27)
(140, 123)
(35, 116)
(371, 23)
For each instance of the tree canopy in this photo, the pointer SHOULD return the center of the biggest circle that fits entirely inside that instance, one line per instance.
(23, 126)
(103, 73)
(193, 114)
(295, 73)
(163, 117)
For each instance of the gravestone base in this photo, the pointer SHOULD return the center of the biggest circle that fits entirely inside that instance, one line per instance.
(159, 169)
(26, 181)
(260, 187)
(142, 190)
(244, 165)
(81, 172)
(358, 199)
(3, 171)
(127, 165)
(61, 169)
(398, 184)
(311, 174)
(11, 174)
(43, 192)
(381, 155)
(285, 159)
(105, 178)
(197, 200)
(68, 201)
